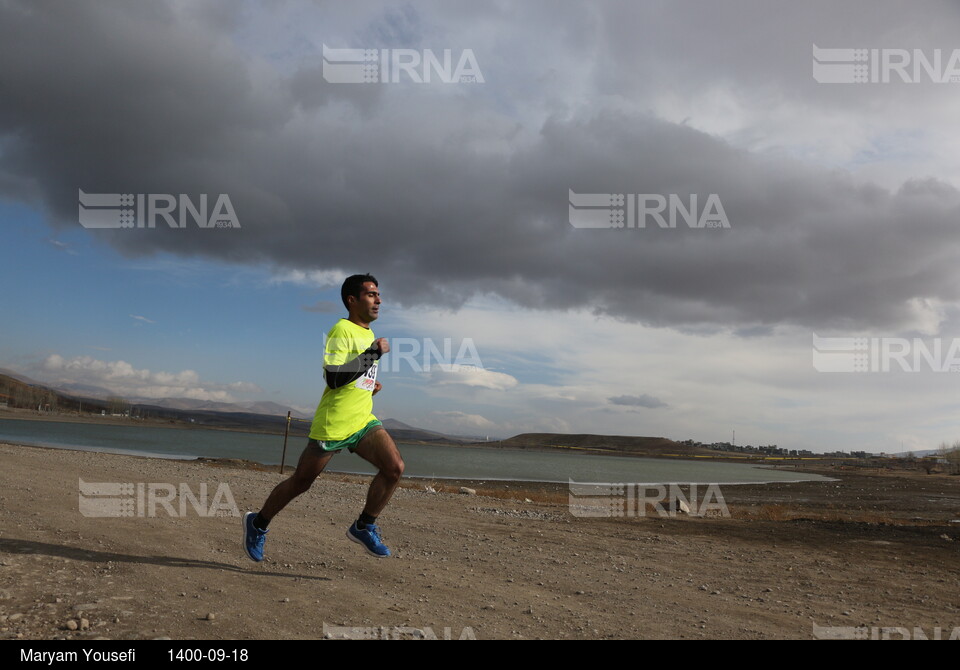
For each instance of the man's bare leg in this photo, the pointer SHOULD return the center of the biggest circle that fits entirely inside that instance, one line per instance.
(312, 462)
(379, 449)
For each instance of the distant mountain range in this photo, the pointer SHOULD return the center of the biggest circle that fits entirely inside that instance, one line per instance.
(257, 416)
(271, 417)
(626, 444)
(89, 392)
(256, 407)
(406, 433)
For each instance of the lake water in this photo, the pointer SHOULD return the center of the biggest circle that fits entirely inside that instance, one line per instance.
(421, 461)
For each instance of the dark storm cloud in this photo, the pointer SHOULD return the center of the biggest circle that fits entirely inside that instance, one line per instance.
(442, 194)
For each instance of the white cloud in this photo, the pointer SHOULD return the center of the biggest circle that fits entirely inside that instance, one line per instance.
(63, 246)
(314, 278)
(462, 420)
(927, 315)
(124, 379)
(468, 375)
(244, 387)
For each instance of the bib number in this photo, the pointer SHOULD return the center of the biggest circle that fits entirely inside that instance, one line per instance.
(369, 379)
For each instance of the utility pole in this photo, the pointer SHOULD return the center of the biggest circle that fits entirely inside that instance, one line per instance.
(286, 432)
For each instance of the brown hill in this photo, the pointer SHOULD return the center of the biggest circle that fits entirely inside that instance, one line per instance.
(18, 393)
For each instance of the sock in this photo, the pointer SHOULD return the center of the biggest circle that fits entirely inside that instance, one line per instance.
(260, 523)
(364, 520)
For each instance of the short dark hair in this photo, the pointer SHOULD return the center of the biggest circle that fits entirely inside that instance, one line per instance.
(353, 285)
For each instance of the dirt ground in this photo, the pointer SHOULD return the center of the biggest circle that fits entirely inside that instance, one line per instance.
(868, 552)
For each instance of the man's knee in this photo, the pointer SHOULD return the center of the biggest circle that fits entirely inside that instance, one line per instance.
(301, 484)
(393, 470)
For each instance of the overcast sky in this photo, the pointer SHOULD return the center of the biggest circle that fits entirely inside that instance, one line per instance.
(841, 198)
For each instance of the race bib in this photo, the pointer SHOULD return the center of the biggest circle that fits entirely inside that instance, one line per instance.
(368, 381)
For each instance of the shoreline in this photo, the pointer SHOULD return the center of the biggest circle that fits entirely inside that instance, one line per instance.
(31, 415)
(237, 462)
(719, 457)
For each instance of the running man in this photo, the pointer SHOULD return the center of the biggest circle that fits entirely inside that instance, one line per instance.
(344, 420)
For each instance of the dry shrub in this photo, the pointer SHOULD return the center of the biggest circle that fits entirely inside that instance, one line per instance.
(773, 512)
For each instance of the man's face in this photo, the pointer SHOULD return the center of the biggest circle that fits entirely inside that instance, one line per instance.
(367, 306)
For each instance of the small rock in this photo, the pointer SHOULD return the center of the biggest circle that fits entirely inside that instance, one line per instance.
(15, 617)
(71, 625)
(211, 616)
(467, 491)
(84, 624)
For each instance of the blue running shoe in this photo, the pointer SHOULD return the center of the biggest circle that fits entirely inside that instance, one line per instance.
(370, 539)
(253, 538)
